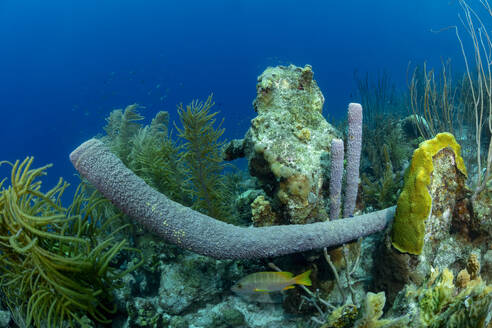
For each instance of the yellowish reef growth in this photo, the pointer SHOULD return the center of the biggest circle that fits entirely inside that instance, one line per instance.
(442, 303)
(415, 202)
(262, 214)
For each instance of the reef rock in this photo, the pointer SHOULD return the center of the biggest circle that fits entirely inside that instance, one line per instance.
(422, 232)
(286, 140)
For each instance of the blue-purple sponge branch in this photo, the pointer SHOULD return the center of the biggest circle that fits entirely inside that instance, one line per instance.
(200, 233)
(336, 177)
(354, 146)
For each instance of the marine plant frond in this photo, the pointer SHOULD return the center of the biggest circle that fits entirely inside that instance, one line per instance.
(155, 157)
(159, 124)
(113, 123)
(120, 120)
(26, 223)
(143, 146)
(121, 126)
(203, 157)
(55, 263)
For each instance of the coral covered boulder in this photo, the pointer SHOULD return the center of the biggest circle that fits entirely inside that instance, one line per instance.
(435, 180)
(432, 221)
(286, 140)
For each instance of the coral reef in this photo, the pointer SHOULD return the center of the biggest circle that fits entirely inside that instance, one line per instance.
(262, 214)
(186, 290)
(438, 302)
(420, 193)
(435, 302)
(178, 289)
(481, 223)
(286, 140)
(440, 243)
(373, 311)
(341, 317)
(243, 203)
(286, 186)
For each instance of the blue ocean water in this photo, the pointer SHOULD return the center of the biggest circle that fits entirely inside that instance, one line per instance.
(64, 65)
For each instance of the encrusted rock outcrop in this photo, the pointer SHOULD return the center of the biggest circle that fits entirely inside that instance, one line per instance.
(432, 204)
(286, 141)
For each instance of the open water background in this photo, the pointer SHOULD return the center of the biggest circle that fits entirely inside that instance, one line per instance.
(64, 65)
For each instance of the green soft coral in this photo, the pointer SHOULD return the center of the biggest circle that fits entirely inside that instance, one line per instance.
(149, 151)
(157, 159)
(203, 158)
(122, 126)
(415, 202)
(189, 170)
(55, 262)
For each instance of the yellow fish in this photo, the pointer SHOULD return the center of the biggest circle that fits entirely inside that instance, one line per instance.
(267, 282)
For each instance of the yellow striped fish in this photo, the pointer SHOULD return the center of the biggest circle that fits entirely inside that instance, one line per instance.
(267, 282)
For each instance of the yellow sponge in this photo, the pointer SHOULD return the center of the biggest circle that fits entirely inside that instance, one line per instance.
(415, 203)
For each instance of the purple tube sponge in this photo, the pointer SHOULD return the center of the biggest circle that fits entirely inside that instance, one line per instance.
(200, 233)
(336, 175)
(354, 146)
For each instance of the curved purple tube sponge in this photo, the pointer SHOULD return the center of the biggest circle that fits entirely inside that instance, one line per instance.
(354, 146)
(200, 233)
(336, 175)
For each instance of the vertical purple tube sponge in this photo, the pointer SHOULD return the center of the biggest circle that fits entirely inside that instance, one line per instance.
(336, 175)
(354, 145)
